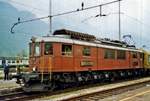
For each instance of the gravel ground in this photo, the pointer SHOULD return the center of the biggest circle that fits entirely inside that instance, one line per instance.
(1, 74)
(10, 84)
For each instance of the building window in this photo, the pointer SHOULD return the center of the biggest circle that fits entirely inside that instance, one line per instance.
(109, 54)
(86, 51)
(9, 61)
(48, 49)
(17, 61)
(134, 54)
(37, 49)
(67, 50)
(13, 61)
(121, 54)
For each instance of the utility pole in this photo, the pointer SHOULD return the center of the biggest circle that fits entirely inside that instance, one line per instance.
(50, 17)
(119, 24)
(100, 8)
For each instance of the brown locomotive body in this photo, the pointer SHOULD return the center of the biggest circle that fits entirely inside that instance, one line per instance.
(70, 57)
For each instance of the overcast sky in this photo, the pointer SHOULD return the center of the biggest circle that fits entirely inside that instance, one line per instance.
(134, 18)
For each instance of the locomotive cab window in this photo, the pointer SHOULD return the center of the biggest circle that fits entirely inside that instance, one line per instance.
(36, 49)
(121, 54)
(48, 49)
(134, 54)
(67, 50)
(109, 54)
(30, 49)
(86, 51)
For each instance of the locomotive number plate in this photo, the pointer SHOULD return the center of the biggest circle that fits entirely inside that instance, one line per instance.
(86, 63)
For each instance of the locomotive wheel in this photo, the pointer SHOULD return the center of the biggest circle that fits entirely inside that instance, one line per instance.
(51, 87)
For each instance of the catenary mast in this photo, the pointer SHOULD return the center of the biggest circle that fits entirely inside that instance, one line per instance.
(50, 17)
(119, 24)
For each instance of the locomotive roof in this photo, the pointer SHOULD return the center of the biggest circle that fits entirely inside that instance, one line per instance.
(75, 35)
(80, 42)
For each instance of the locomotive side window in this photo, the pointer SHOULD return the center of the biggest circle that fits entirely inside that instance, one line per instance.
(121, 54)
(109, 54)
(86, 51)
(48, 49)
(141, 55)
(37, 49)
(67, 50)
(134, 54)
(149, 58)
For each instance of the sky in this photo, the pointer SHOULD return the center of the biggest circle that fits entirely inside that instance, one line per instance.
(135, 16)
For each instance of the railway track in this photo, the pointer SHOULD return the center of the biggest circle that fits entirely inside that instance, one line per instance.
(106, 93)
(15, 96)
(73, 93)
(19, 96)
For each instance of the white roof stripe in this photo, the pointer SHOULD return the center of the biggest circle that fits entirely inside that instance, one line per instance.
(79, 42)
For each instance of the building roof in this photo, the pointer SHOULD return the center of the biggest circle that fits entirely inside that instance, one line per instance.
(14, 58)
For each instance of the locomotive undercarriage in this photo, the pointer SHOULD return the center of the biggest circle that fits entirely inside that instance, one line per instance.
(44, 82)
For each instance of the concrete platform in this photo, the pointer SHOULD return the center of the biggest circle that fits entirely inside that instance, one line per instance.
(68, 95)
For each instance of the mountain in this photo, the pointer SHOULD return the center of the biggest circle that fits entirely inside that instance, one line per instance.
(12, 44)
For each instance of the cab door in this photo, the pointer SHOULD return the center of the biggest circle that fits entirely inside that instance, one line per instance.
(67, 57)
(46, 57)
(134, 59)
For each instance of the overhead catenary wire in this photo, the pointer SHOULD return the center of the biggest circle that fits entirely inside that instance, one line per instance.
(122, 13)
(26, 21)
(60, 14)
(74, 11)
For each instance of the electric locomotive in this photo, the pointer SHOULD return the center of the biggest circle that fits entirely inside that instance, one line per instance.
(72, 58)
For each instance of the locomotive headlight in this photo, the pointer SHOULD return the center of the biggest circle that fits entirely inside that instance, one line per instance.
(34, 69)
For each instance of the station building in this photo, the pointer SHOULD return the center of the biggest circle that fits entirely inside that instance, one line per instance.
(15, 61)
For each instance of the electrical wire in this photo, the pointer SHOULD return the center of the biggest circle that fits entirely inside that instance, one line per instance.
(137, 20)
(74, 11)
(60, 14)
